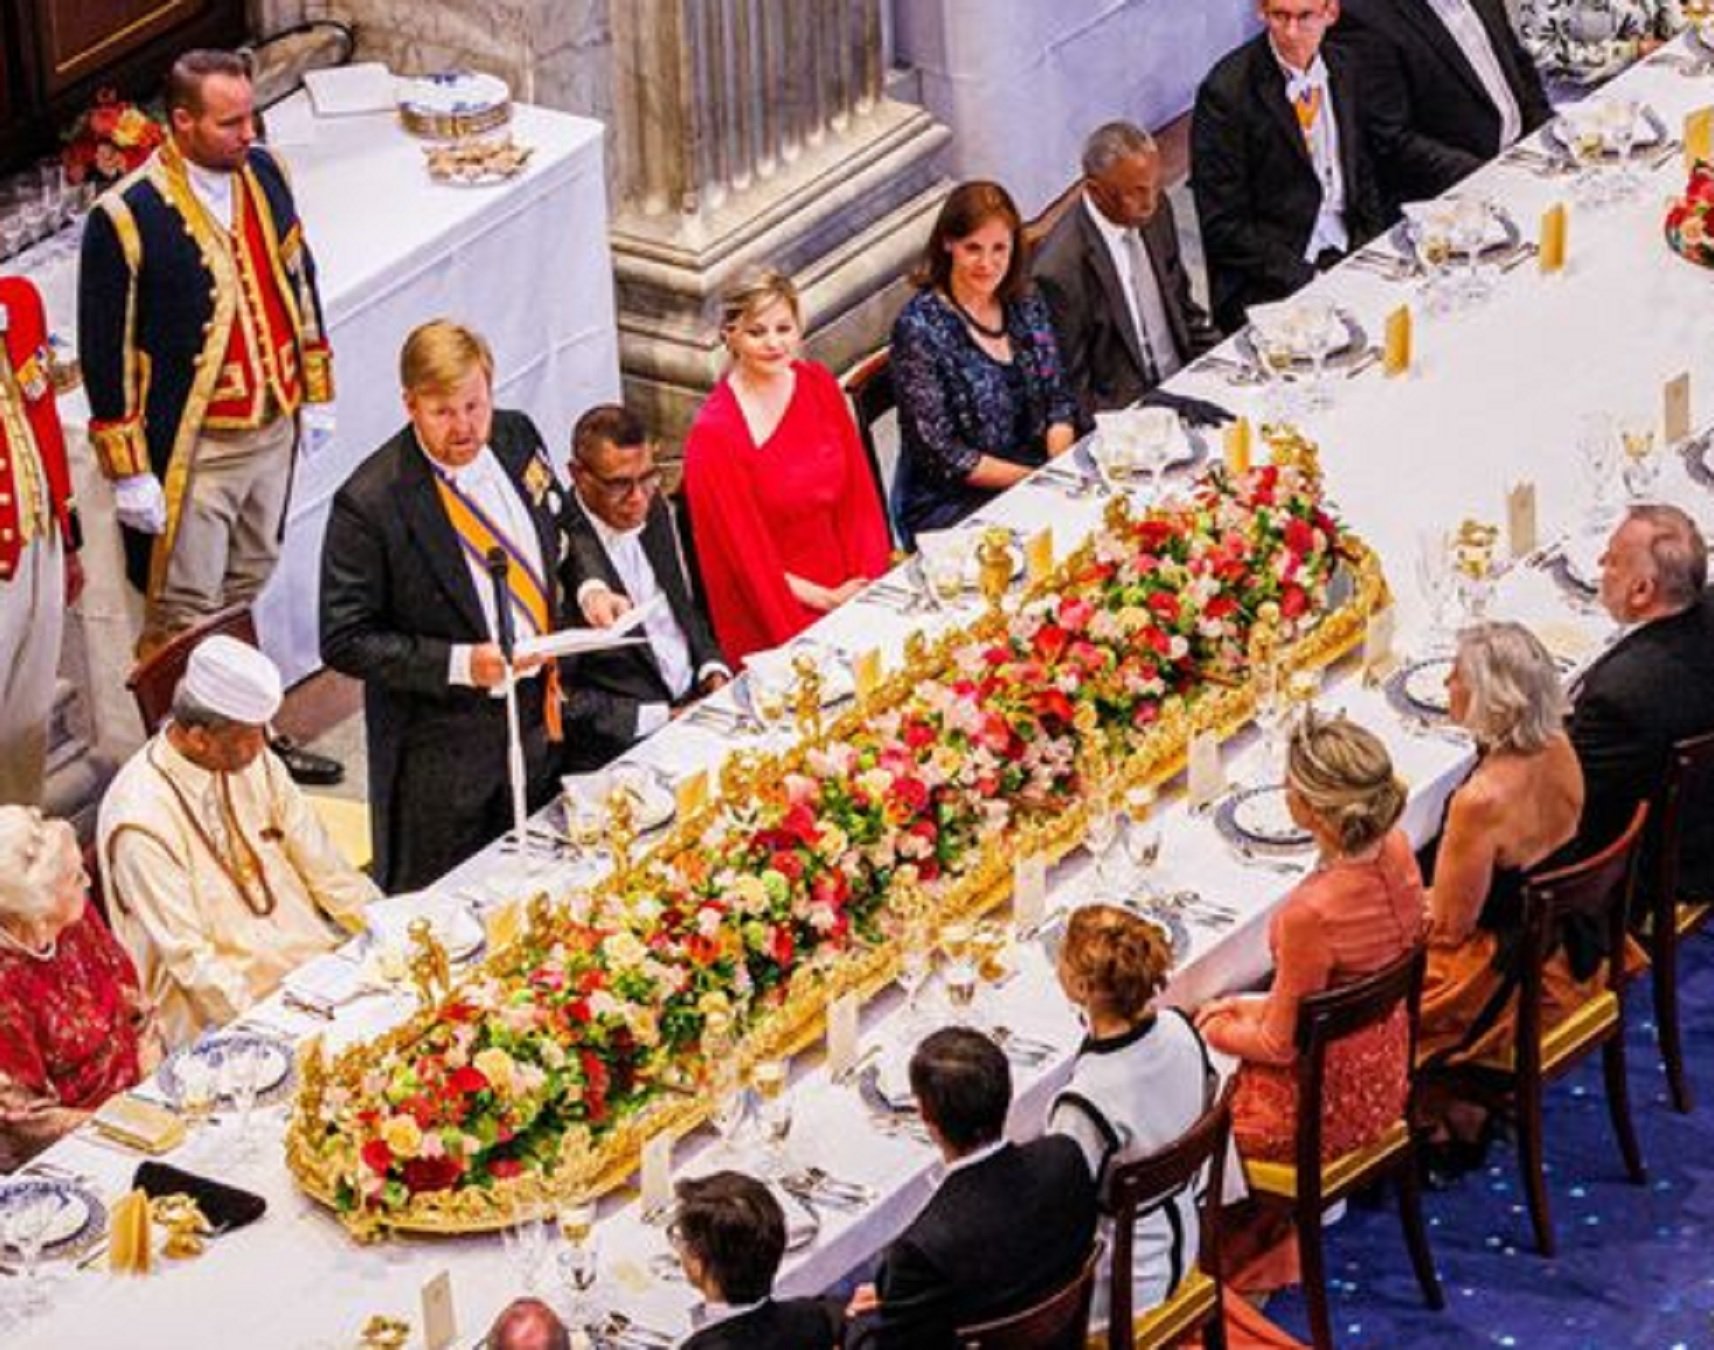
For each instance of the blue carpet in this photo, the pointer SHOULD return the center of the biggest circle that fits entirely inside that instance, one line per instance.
(1635, 1264)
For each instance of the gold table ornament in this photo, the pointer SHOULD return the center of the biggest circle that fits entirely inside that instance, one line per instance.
(321, 1149)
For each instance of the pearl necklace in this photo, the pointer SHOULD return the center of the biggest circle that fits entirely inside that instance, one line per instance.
(45, 953)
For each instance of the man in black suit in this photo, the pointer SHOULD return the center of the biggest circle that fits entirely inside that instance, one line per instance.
(1654, 687)
(1446, 86)
(1113, 280)
(730, 1234)
(1279, 166)
(408, 607)
(625, 550)
(1009, 1225)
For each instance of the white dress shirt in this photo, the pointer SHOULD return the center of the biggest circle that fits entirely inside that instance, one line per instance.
(666, 637)
(1465, 25)
(485, 481)
(1142, 292)
(213, 188)
(1322, 138)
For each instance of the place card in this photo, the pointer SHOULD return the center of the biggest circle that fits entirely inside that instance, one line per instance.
(1029, 892)
(690, 794)
(1675, 409)
(1379, 658)
(502, 925)
(1552, 256)
(866, 672)
(842, 1035)
(1237, 445)
(656, 1181)
(130, 1243)
(1207, 779)
(440, 1326)
(1521, 532)
(1698, 137)
(1038, 555)
(1396, 345)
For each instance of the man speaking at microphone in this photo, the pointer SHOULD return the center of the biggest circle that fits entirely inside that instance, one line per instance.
(452, 517)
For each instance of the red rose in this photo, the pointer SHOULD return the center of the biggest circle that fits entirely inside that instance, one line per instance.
(918, 734)
(788, 865)
(1050, 642)
(1165, 605)
(910, 794)
(502, 1169)
(1299, 535)
(432, 1174)
(781, 945)
(377, 1157)
(1294, 600)
(1052, 702)
(467, 1081)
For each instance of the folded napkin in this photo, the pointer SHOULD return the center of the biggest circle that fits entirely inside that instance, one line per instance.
(139, 1123)
(225, 1207)
(130, 1241)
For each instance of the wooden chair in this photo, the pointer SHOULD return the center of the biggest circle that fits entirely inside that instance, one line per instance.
(1687, 795)
(1059, 1322)
(1308, 1184)
(1135, 1187)
(1598, 888)
(869, 386)
(154, 679)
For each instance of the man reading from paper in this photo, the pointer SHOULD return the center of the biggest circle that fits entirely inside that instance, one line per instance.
(408, 607)
(220, 878)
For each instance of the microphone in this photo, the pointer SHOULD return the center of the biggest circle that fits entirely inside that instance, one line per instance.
(498, 566)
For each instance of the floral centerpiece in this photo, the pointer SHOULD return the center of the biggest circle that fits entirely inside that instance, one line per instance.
(544, 1070)
(109, 139)
(1690, 219)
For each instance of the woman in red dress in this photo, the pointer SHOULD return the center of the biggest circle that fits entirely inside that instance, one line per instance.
(1361, 908)
(783, 508)
(76, 1026)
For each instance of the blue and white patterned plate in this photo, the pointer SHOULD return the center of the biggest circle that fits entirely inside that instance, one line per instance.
(274, 1082)
(1418, 688)
(1257, 818)
(79, 1224)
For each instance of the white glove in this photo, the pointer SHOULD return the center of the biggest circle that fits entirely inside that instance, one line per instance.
(140, 503)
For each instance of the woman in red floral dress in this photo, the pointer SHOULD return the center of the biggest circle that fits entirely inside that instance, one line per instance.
(1361, 908)
(76, 1027)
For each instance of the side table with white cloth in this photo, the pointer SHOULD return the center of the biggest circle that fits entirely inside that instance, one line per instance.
(1495, 397)
(525, 262)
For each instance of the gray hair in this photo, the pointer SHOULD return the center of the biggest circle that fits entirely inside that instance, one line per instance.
(189, 712)
(1109, 144)
(1676, 550)
(35, 854)
(1516, 700)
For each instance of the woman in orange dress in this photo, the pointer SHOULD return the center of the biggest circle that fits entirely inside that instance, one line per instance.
(1516, 810)
(784, 511)
(1360, 909)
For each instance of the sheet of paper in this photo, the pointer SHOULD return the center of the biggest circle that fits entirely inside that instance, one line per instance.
(656, 1183)
(1207, 777)
(1038, 555)
(1237, 445)
(440, 1325)
(1029, 892)
(842, 1034)
(1521, 530)
(1378, 656)
(571, 641)
(1553, 241)
(1676, 419)
(1396, 347)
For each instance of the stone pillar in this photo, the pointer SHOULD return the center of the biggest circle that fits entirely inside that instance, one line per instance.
(756, 132)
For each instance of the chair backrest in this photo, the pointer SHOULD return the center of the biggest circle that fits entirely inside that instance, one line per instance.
(1688, 795)
(869, 386)
(154, 679)
(1142, 1184)
(92, 870)
(1326, 1018)
(1059, 1322)
(1038, 227)
(1596, 890)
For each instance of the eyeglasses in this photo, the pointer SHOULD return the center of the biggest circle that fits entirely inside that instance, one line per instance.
(620, 486)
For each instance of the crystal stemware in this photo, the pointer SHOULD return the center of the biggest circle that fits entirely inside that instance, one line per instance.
(773, 1113)
(1598, 447)
(578, 1260)
(1101, 832)
(1142, 839)
(1640, 469)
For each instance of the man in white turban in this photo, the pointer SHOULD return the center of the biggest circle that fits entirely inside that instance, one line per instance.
(220, 878)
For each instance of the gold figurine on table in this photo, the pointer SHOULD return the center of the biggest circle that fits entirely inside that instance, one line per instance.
(807, 695)
(431, 970)
(994, 562)
(621, 828)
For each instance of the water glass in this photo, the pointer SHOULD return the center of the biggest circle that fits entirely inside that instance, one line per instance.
(1598, 448)
(773, 1112)
(1434, 581)
(1101, 833)
(1142, 838)
(240, 1071)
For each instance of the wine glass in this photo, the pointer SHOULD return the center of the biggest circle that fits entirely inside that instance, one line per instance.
(1434, 580)
(1434, 248)
(1469, 231)
(1640, 468)
(196, 1089)
(1621, 115)
(1271, 711)
(240, 1074)
(1100, 834)
(28, 1218)
(1155, 427)
(526, 1239)
(578, 1260)
(1598, 448)
(1316, 322)
(773, 1113)
(1277, 356)
(1142, 838)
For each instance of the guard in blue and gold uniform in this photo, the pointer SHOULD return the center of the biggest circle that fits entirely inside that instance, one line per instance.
(201, 335)
(39, 571)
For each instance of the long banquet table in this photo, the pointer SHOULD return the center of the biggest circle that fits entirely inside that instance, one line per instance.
(1495, 398)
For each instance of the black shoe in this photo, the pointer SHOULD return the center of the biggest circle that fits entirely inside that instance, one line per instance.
(306, 767)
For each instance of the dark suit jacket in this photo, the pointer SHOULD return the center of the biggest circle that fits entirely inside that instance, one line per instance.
(605, 689)
(1430, 120)
(995, 1239)
(1098, 343)
(1655, 686)
(794, 1324)
(396, 596)
(1257, 193)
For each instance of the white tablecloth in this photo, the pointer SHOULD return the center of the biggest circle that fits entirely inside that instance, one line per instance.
(1495, 398)
(525, 262)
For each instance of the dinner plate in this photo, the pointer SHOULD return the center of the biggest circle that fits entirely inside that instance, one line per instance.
(1423, 684)
(450, 919)
(1352, 346)
(1651, 131)
(79, 1222)
(273, 1079)
(1501, 237)
(1181, 448)
(1259, 815)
